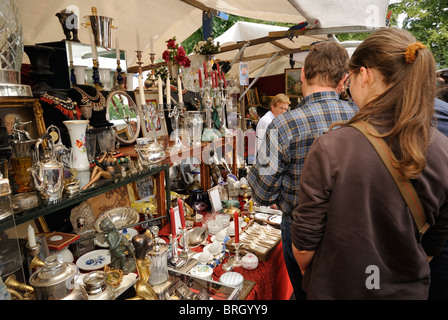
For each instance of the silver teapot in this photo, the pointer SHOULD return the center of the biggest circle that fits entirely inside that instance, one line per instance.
(48, 173)
(56, 280)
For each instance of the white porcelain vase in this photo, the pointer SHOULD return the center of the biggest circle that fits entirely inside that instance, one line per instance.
(80, 72)
(77, 132)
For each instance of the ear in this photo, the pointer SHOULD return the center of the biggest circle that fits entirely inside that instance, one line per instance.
(341, 84)
(366, 76)
(302, 74)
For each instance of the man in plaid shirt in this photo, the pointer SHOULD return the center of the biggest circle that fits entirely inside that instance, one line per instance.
(274, 178)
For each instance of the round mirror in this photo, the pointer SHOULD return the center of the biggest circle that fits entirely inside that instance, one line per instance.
(123, 113)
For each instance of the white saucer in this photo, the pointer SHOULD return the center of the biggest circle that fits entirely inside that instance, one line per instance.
(94, 260)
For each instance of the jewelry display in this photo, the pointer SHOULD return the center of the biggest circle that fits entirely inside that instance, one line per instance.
(67, 107)
(96, 102)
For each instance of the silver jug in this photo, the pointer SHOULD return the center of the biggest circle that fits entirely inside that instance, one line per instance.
(48, 174)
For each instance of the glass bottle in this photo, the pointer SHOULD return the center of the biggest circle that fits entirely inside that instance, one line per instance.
(84, 246)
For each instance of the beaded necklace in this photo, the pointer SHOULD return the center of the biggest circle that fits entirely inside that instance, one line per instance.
(88, 100)
(67, 107)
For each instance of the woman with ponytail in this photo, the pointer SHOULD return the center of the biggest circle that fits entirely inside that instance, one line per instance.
(354, 236)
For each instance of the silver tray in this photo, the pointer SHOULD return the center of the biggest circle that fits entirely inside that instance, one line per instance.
(120, 217)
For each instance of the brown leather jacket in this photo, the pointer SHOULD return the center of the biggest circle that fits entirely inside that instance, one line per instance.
(352, 214)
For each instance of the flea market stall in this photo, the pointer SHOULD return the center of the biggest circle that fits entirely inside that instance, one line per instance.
(115, 189)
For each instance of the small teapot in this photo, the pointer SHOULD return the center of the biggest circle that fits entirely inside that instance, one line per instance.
(48, 173)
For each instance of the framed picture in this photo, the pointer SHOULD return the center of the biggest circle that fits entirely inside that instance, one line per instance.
(28, 110)
(252, 98)
(293, 85)
(146, 123)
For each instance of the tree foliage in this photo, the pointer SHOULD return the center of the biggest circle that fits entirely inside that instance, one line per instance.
(427, 20)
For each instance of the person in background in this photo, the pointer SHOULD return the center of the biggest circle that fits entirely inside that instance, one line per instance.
(353, 234)
(274, 178)
(279, 104)
(438, 290)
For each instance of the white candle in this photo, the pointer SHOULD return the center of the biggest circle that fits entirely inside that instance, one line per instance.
(138, 41)
(31, 237)
(151, 44)
(117, 49)
(179, 88)
(70, 53)
(93, 45)
(160, 87)
(168, 90)
(141, 91)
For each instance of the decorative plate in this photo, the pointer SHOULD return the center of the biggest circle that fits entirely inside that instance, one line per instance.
(94, 260)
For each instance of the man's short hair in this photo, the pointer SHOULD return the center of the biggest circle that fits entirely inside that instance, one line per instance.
(326, 64)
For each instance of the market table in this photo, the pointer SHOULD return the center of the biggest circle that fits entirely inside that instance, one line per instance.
(270, 277)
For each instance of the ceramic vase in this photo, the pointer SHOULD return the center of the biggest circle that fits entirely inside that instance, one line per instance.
(80, 72)
(105, 78)
(77, 132)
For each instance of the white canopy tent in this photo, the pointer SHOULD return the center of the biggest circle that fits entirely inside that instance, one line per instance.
(161, 20)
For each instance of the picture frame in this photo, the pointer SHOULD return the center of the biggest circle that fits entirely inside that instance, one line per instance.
(151, 98)
(252, 98)
(293, 84)
(27, 109)
(215, 198)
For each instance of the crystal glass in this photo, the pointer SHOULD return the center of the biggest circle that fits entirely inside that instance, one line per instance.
(106, 141)
(91, 146)
(194, 122)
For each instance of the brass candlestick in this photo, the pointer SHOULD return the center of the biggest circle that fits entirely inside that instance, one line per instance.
(36, 262)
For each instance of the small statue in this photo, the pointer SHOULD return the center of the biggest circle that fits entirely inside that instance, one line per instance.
(119, 245)
(105, 167)
(143, 244)
(69, 22)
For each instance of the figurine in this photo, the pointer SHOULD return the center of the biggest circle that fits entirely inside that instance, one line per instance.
(118, 246)
(143, 244)
(105, 167)
(69, 22)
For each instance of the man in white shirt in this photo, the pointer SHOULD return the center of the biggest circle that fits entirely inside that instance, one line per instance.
(279, 104)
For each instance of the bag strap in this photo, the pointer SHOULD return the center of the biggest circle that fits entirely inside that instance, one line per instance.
(404, 185)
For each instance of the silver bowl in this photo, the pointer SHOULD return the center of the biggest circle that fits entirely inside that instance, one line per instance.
(120, 217)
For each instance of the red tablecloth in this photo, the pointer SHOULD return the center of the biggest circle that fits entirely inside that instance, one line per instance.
(271, 277)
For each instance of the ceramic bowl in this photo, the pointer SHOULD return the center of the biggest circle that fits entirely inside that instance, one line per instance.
(249, 261)
(202, 271)
(233, 279)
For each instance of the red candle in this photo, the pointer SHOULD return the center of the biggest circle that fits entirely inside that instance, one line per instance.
(212, 75)
(218, 70)
(200, 78)
(205, 70)
(172, 223)
(237, 228)
(181, 212)
(224, 79)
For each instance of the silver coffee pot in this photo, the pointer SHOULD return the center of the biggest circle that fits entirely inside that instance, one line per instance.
(48, 173)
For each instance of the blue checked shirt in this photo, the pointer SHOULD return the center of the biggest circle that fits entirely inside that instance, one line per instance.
(274, 178)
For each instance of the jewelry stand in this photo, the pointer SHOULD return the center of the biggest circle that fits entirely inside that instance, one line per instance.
(96, 75)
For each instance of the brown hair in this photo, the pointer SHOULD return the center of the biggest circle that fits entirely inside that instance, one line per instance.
(406, 108)
(280, 98)
(326, 64)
